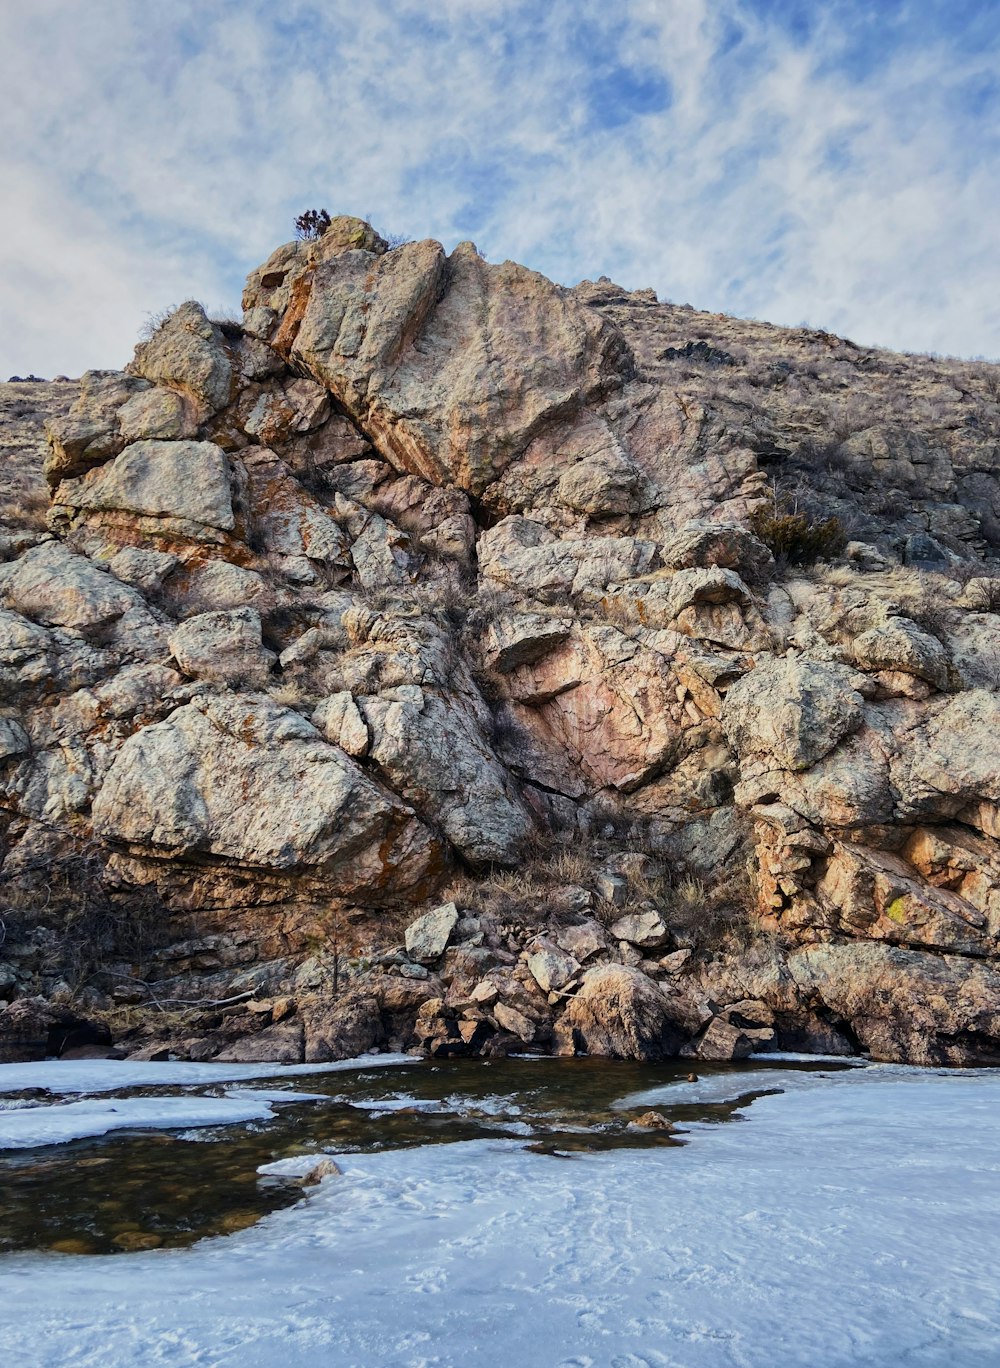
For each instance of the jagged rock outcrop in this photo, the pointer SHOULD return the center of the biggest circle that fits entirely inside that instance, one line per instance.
(438, 595)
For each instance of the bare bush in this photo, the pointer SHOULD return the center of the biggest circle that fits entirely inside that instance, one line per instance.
(312, 224)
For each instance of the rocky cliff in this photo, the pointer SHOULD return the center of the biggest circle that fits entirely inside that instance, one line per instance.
(446, 659)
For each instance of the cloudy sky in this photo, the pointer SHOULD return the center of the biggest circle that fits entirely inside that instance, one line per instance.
(826, 163)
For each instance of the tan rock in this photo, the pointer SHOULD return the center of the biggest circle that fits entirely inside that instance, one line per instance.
(427, 937)
(339, 719)
(189, 353)
(952, 761)
(901, 646)
(551, 968)
(60, 588)
(794, 710)
(647, 930)
(224, 646)
(186, 482)
(88, 435)
(246, 780)
(405, 342)
(621, 1013)
(906, 1005)
(432, 751)
(156, 413)
(881, 897)
(516, 1023)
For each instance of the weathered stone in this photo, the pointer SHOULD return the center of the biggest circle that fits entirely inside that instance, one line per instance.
(186, 482)
(341, 1027)
(880, 896)
(156, 414)
(223, 646)
(189, 353)
(144, 570)
(645, 929)
(793, 710)
(254, 783)
(621, 1013)
(277, 1044)
(952, 760)
(296, 407)
(432, 751)
(613, 888)
(906, 1005)
(526, 556)
(516, 1023)
(428, 936)
(523, 638)
(551, 968)
(726, 545)
(901, 646)
(406, 341)
(57, 587)
(287, 520)
(722, 1041)
(89, 434)
(339, 719)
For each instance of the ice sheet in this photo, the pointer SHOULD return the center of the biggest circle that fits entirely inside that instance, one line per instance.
(852, 1221)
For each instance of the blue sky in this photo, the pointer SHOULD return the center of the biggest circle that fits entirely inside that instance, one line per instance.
(833, 164)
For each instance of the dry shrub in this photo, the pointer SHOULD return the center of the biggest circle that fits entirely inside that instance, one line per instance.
(718, 918)
(795, 538)
(82, 924)
(312, 224)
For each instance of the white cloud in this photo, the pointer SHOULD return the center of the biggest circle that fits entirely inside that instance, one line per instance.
(150, 153)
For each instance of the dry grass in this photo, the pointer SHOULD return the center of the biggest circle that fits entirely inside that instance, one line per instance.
(94, 925)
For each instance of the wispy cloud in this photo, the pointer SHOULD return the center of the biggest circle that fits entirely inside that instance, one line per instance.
(832, 164)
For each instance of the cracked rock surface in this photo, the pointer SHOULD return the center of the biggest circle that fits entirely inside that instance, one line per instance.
(420, 663)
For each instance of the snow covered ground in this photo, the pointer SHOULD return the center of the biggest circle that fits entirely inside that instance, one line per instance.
(27, 1123)
(112, 1075)
(852, 1220)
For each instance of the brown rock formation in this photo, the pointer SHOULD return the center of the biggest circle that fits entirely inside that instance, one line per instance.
(436, 582)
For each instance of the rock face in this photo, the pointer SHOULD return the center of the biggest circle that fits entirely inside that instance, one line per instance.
(431, 661)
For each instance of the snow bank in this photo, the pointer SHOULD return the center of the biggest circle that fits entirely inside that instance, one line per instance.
(25, 1127)
(854, 1221)
(114, 1075)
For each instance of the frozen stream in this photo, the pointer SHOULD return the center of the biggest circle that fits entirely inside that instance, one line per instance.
(828, 1218)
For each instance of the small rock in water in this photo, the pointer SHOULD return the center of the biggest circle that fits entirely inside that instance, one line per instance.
(134, 1240)
(238, 1220)
(651, 1120)
(324, 1168)
(71, 1247)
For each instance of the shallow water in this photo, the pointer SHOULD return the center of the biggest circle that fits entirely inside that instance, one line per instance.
(135, 1190)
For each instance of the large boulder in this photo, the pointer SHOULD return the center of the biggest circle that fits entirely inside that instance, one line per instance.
(951, 763)
(427, 937)
(224, 646)
(245, 780)
(60, 588)
(622, 1014)
(184, 484)
(432, 750)
(89, 433)
(189, 353)
(451, 365)
(901, 645)
(906, 1005)
(528, 557)
(792, 710)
